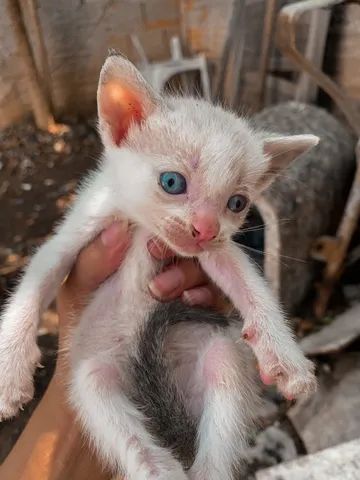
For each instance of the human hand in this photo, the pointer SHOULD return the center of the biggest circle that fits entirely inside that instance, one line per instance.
(182, 278)
(185, 279)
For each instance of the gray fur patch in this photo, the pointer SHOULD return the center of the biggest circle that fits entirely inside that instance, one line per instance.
(154, 392)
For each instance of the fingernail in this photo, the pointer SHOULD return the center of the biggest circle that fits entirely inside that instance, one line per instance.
(266, 379)
(167, 283)
(197, 296)
(114, 234)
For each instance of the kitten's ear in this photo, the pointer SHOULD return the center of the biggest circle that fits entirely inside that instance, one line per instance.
(281, 151)
(123, 98)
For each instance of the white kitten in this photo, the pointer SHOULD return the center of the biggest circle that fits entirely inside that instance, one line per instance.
(185, 172)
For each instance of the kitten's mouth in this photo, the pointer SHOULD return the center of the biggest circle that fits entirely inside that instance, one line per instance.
(185, 246)
(182, 242)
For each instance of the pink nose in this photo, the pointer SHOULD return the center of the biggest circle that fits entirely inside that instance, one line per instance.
(205, 227)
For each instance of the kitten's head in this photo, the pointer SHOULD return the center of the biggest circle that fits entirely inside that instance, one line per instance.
(185, 169)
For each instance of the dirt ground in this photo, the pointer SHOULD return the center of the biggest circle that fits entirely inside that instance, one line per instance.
(38, 174)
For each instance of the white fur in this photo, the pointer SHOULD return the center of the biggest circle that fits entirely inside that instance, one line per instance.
(229, 159)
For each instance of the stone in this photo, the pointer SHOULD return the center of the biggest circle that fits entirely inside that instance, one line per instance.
(271, 446)
(335, 336)
(307, 201)
(332, 415)
(338, 463)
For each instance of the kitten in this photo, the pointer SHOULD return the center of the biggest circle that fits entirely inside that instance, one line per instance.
(183, 171)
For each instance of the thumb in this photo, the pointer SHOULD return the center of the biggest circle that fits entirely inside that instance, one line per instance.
(98, 261)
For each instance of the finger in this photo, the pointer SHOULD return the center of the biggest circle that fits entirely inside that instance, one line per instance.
(171, 283)
(199, 296)
(159, 250)
(99, 260)
(208, 296)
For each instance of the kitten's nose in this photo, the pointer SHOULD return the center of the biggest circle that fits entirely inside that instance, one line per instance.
(205, 227)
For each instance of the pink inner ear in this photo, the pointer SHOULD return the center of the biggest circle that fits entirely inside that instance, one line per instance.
(120, 106)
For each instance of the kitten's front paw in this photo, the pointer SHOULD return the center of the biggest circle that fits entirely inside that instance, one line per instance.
(17, 387)
(291, 378)
(284, 365)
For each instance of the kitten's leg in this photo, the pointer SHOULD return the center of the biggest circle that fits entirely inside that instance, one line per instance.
(101, 347)
(19, 353)
(216, 376)
(115, 426)
(265, 329)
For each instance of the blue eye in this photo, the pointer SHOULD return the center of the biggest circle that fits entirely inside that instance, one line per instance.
(173, 183)
(237, 203)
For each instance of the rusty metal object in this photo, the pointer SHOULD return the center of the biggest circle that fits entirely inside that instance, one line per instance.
(331, 250)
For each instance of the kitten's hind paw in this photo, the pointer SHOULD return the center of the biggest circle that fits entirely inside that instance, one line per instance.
(11, 404)
(17, 388)
(298, 384)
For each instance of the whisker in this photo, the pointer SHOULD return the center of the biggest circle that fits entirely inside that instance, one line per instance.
(251, 229)
(255, 250)
(260, 227)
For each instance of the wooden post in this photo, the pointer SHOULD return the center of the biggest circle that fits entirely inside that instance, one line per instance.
(31, 19)
(268, 33)
(39, 102)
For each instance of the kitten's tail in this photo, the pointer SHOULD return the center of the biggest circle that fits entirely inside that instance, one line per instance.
(154, 391)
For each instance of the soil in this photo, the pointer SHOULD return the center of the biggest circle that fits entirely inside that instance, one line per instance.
(38, 175)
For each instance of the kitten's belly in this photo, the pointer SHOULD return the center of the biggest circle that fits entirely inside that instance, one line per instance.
(120, 305)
